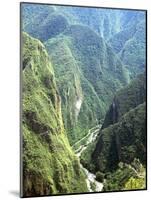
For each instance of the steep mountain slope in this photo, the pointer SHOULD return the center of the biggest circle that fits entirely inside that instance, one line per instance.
(87, 77)
(129, 24)
(68, 81)
(49, 164)
(94, 53)
(96, 58)
(33, 14)
(106, 22)
(122, 139)
(44, 21)
(130, 42)
(120, 145)
(126, 99)
(127, 114)
(123, 30)
(87, 69)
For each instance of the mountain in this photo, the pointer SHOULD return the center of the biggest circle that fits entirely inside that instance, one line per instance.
(122, 139)
(88, 72)
(123, 30)
(130, 42)
(81, 69)
(120, 145)
(49, 164)
(126, 99)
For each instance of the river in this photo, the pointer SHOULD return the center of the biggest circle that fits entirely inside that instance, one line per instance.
(90, 177)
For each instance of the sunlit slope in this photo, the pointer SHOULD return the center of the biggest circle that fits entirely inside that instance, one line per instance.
(49, 164)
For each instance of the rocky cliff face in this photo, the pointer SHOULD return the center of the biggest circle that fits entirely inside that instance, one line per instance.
(49, 164)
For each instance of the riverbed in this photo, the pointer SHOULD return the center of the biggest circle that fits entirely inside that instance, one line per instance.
(90, 177)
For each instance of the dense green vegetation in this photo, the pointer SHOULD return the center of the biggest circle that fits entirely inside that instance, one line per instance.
(120, 119)
(50, 165)
(126, 177)
(130, 44)
(87, 65)
(78, 51)
(122, 141)
(124, 31)
(126, 99)
(79, 66)
(122, 138)
(135, 183)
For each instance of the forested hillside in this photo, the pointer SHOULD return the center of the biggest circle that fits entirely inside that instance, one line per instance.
(50, 165)
(84, 99)
(88, 67)
(122, 138)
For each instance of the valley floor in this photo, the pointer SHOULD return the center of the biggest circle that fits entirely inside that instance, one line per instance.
(92, 184)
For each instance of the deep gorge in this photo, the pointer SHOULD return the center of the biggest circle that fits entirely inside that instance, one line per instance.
(84, 99)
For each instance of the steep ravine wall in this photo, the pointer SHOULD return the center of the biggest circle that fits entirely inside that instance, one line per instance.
(49, 164)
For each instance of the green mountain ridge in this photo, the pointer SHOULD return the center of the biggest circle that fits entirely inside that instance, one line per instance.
(126, 99)
(50, 165)
(123, 30)
(83, 68)
(122, 141)
(130, 44)
(97, 71)
(122, 138)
